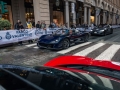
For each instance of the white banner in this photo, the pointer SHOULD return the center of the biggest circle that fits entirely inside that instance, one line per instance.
(72, 7)
(12, 36)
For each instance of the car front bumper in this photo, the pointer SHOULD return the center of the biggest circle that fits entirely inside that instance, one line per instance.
(54, 46)
(97, 33)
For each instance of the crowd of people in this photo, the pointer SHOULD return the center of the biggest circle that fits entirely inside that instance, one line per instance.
(30, 23)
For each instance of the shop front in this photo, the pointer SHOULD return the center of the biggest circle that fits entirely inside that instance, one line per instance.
(57, 11)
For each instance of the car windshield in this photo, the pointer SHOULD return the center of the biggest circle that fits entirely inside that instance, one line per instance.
(61, 32)
(44, 78)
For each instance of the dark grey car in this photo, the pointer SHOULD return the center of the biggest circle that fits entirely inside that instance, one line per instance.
(102, 30)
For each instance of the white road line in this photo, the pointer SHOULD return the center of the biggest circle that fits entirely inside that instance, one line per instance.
(109, 53)
(36, 47)
(90, 78)
(72, 48)
(30, 45)
(106, 82)
(89, 50)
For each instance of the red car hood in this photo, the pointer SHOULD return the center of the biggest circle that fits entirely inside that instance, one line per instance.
(79, 60)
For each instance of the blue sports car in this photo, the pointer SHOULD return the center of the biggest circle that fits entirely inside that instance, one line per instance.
(62, 39)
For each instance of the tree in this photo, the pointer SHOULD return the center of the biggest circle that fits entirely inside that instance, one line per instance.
(4, 24)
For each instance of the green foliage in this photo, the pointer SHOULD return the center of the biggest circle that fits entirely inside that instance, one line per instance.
(4, 24)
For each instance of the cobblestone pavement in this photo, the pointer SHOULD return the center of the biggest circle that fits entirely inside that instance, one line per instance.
(98, 48)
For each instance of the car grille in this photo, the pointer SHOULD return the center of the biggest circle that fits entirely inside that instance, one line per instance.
(46, 45)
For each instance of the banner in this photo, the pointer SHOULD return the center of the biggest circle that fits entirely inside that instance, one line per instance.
(12, 36)
(72, 7)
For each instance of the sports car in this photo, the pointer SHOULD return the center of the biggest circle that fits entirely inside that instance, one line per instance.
(62, 73)
(62, 39)
(102, 30)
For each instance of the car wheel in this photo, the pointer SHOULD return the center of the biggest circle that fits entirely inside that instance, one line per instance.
(65, 44)
(104, 33)
(39, 46)
(111, 31)
(86, 38)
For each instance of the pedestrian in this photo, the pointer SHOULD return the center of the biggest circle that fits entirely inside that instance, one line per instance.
(17, 27)
(43, 26)
(33, 23)
(17, 24)
(51, 25)
(38, 25)
(20, 28)
(29, 26)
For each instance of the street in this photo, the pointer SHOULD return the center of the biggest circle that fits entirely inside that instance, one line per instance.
(98, 47)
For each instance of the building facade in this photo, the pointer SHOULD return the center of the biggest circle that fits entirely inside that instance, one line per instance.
(65, 11)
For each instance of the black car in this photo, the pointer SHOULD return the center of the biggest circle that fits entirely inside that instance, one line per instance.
(62, 39)
(102, 30)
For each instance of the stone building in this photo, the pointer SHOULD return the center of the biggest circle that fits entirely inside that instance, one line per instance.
(64, 11)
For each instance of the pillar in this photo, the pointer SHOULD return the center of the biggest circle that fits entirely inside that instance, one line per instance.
(10, 16)
(67, 13)
(51, 12)
(99, 19)
(85, 14)
(73, 12)
(89, 15)
(113, 19)
(104, 17)
(96, 16)
(18, 10)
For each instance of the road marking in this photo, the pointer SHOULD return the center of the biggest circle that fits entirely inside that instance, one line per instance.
(72, 48)
(30, 45)
(89, 50)
(90, 78)
(36, 47)
(109, 53)
(106, 82)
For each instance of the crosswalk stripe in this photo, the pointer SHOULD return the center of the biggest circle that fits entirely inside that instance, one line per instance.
(72, 48)
(109, 53)
(108, 84)
(31, 45)
(36, 47)
(89, 50)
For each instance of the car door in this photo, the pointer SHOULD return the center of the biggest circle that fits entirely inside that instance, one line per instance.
(73, 37)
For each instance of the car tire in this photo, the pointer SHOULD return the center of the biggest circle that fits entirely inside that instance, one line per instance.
(86, 38)
(111, 31)
(65, 44)
(104, 34)
(39, 46)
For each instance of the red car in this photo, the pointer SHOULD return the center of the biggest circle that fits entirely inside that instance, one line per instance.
(62, 73)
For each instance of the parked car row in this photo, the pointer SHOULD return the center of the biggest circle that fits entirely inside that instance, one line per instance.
(64, 38)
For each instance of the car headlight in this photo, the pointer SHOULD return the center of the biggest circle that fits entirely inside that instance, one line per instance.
(55, 41)
(102, 30)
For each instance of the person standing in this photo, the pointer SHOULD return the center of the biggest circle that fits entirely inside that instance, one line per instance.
(20, 28)
(17, 24)
(17, 27)
(38, 25)
(43, 26)
(29, 26)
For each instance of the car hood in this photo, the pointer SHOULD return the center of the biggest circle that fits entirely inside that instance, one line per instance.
(80, 60)
(98, 29)
(49, 38)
